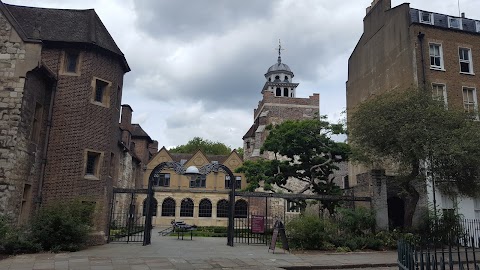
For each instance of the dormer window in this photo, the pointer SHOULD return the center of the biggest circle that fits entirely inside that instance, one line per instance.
(455, 23)
(477, 26)
(277, 77)
(286, 78)
(426, 17)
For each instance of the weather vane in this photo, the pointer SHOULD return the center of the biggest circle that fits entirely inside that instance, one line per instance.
(280, 49)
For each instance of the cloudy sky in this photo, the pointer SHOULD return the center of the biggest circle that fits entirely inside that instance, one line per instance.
(197, 66)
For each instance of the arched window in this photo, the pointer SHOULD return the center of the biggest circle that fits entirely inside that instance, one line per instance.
(222, 208)
(186, 208)
(286, 78)
(205, 208)
(285, 92)
(278, 92)
(269, 79)
(241, 209)
(154, 207)
(277, 77)
(168, 207)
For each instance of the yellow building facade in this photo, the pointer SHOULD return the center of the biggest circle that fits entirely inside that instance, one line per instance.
(202, 201)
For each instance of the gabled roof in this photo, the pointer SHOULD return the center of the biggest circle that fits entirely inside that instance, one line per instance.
(139, 132)
(62, 25)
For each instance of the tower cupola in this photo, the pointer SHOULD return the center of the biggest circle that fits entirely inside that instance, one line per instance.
(279, 78)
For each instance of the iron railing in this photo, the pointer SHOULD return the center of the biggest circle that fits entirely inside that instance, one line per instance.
(451, 256)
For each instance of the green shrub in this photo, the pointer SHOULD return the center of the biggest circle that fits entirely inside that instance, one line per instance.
(18, 241)
(310, 232)
(62, 226)
(356, 221)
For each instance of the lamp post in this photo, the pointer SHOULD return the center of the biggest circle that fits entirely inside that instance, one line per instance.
(192, 172)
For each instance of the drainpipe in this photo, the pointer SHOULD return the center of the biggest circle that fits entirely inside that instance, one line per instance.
(39, 199)
(420, 39)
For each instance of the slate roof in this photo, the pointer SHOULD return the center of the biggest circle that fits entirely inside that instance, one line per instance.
(139, 132)
(64, 25)
(177, 157)
(441, 20)
(251, 132)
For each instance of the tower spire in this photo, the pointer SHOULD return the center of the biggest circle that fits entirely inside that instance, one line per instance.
(280, 49)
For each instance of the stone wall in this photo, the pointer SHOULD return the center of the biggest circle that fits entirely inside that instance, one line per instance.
(15, 151)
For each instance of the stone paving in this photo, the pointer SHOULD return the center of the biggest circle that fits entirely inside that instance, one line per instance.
(200, 253)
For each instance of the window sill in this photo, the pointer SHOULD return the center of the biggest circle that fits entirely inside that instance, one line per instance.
(429, 23)
(468, 73)
(73, 74)
(99, 104)
(90, 177)
(437, 68)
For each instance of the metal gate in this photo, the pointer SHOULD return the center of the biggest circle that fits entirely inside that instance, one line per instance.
(127, 222)
(255, 218)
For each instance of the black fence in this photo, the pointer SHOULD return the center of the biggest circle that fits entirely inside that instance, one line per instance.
(450, 245)
(451, 256)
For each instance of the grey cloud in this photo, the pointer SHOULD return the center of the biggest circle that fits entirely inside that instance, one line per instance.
(186, 19)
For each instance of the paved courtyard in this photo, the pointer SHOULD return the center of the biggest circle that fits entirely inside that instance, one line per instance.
(199, 253)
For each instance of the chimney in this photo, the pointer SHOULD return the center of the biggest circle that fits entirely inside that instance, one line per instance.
(153, 147)
(463, 15)
(387, 4)
(126, 120)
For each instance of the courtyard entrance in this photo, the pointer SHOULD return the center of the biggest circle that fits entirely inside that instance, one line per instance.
(127, 220)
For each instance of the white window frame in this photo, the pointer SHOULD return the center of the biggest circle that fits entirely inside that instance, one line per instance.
(476, 207)
(440, 50)
(460, 24)
(474, 101)
(469, 61)
(420, 15)
(444, 92)
(477, 26)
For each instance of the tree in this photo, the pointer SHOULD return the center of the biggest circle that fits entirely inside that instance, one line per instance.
(208, 147)
(302, 151)
(411, 132)
(240, 151)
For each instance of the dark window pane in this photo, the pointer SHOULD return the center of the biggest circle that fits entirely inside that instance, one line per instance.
(91, 162)
(100, 87)
(161, 180)
(464, 67)
(205, 208)
(199, 182)
(186, 208)
(222, 208)
(241, 209)
(71, 62)
(168, 208)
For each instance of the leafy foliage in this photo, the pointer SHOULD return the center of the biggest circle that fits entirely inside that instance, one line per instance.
(413, 131)
(310, 232)
(240, 151)
(304, 151)
(350, 230)
(356, 221)
(208, 147)
(63, 226)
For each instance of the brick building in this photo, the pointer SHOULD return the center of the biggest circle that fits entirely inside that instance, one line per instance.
(61, 85)
(403, 48)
